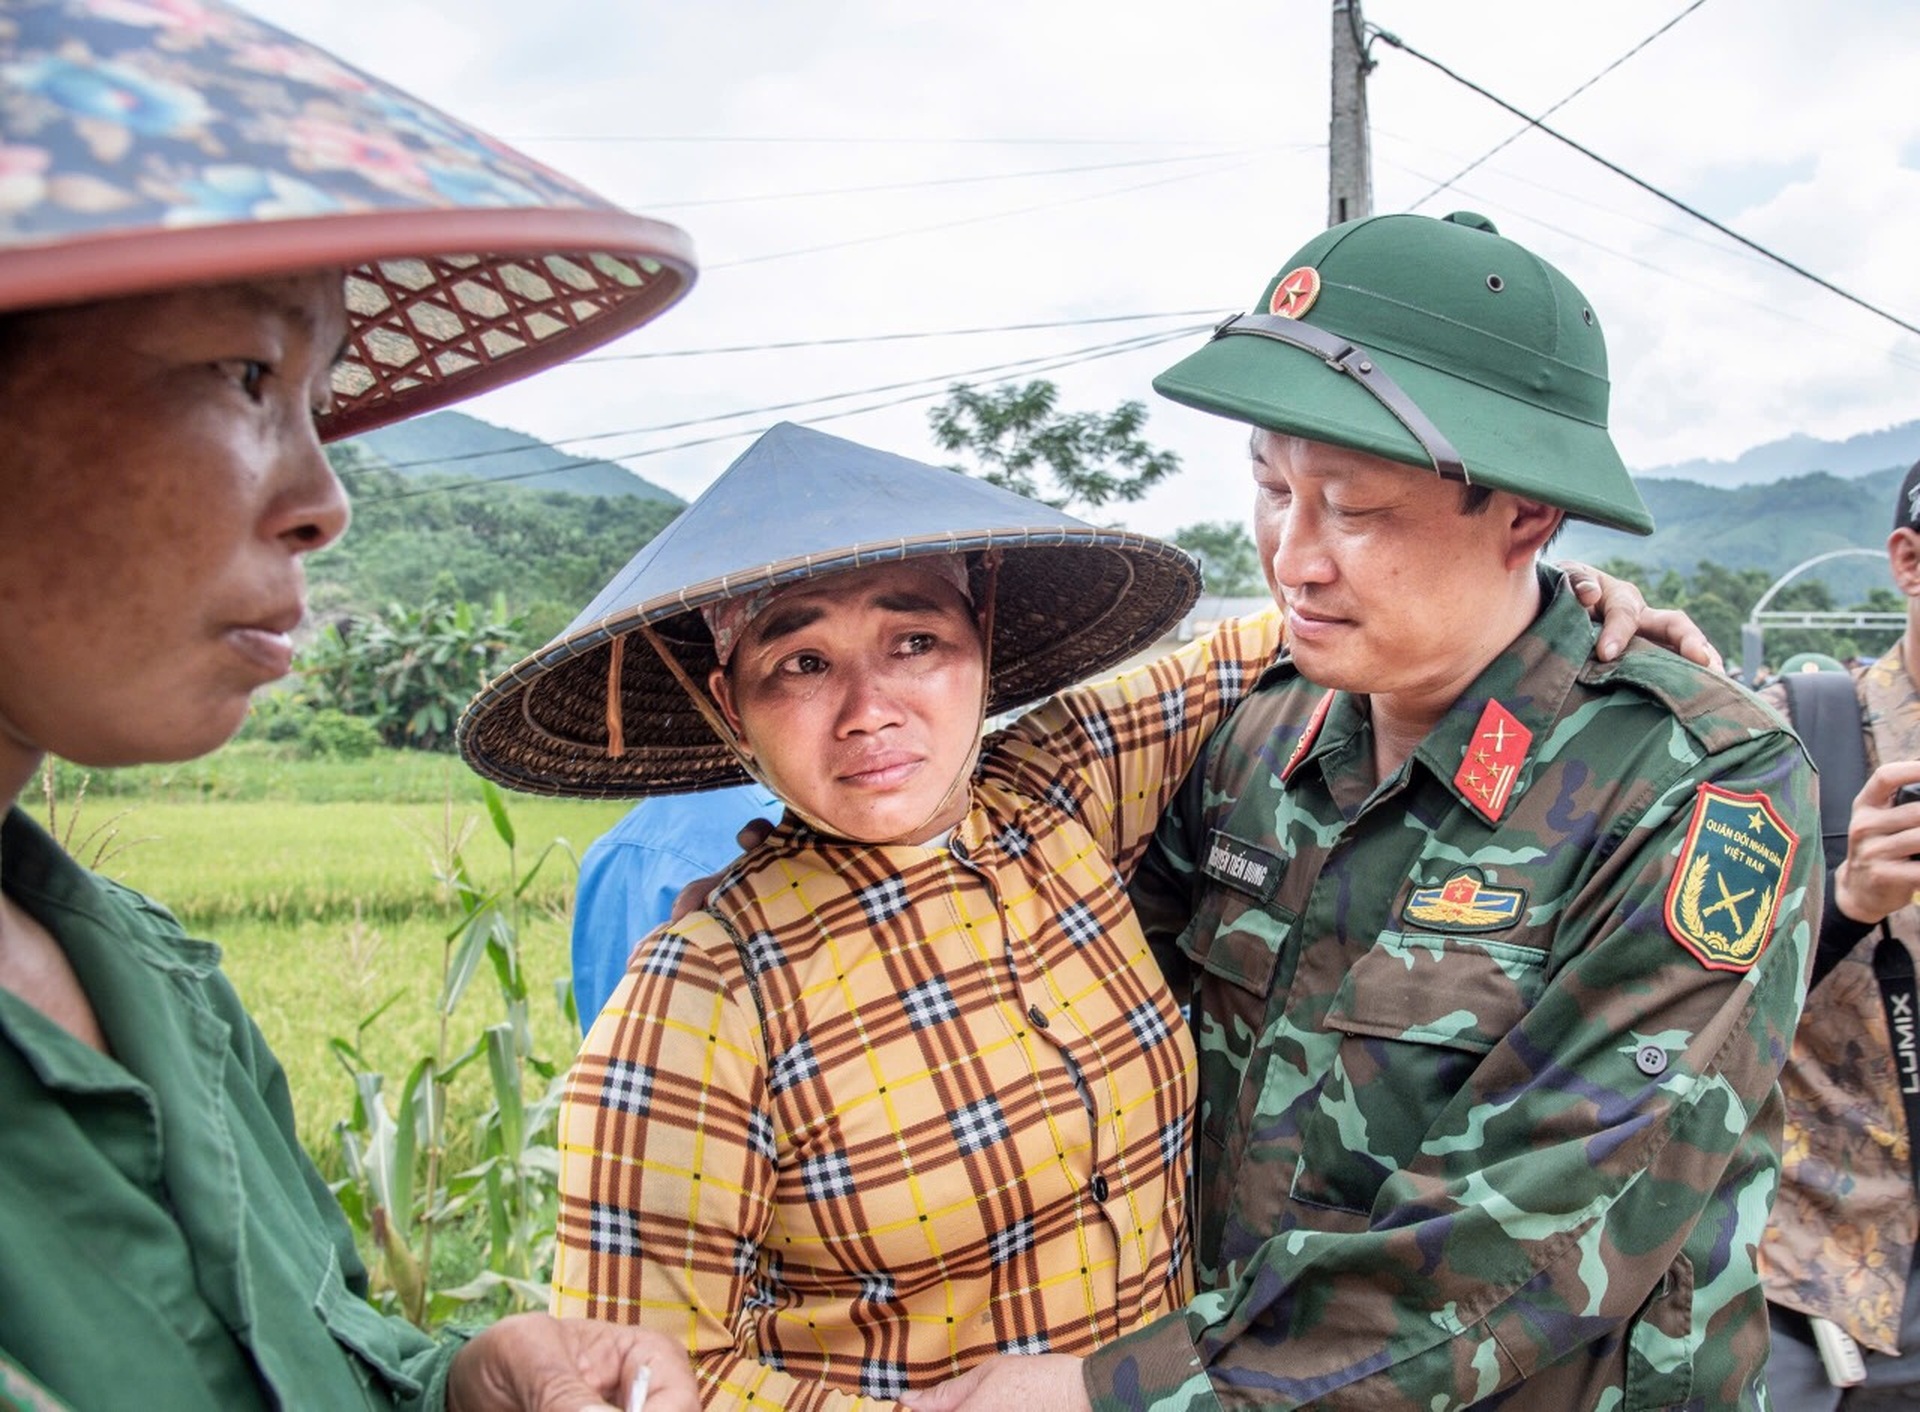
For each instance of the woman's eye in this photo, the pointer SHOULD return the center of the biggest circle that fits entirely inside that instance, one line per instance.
(917, 643)
(804, 664)
(248, 374)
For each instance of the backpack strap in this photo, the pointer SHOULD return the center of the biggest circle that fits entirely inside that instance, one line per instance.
(1825, 712)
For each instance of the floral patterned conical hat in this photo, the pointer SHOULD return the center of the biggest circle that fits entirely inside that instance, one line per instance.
(146, 144)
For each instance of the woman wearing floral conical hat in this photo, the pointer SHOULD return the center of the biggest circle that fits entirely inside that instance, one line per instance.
(218, 246)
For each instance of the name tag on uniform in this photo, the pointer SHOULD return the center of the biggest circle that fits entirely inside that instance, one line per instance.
(1242, 866)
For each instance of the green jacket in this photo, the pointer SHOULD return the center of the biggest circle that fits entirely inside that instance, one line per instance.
(164, 1241)
(1488, 1053)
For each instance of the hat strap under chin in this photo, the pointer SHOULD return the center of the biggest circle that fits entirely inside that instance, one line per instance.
(1344, 356)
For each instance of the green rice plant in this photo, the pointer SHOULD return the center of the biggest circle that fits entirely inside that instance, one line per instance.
(255, 767)
(218, 865)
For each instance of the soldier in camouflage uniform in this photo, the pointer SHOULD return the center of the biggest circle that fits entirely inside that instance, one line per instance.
(1496, 950)
(1840, 1242)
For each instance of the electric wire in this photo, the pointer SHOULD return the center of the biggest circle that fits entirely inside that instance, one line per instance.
(1518, 133)
(963, 180)
(1493, 203)
(1704, 239)
(853, 339)
(1649, 187)
(869, 141)
(989, 370)
(939, 383)
(973, 220)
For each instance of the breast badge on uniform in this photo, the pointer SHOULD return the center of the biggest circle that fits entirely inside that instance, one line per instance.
(1725, 892)
(1465, 903)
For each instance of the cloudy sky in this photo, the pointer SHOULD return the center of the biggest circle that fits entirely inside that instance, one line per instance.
(881, 180)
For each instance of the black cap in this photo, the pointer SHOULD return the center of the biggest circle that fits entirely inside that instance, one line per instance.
(1906, 510)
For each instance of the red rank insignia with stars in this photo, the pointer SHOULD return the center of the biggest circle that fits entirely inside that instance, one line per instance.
(1307, 737)
(1494, 756)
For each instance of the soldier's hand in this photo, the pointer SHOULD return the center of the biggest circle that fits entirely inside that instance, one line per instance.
(694, 895)
(1622, 613)
(1881, 873)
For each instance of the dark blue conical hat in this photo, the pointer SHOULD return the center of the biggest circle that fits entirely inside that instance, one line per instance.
(145, 146)
(1070, 600)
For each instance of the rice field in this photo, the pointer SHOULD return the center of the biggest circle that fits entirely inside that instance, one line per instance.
(328, 910)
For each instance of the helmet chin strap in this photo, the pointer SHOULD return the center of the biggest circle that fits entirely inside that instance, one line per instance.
(710, 712)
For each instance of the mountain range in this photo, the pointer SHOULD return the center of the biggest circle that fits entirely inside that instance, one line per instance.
(1771, 507)
(1797, 455)
(452, 443)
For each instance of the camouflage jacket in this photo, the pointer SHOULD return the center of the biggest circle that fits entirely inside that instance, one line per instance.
(1840, 1241)
(1488, 1052)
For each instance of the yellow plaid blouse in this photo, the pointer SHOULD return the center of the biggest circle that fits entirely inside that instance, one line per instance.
(882, 1111)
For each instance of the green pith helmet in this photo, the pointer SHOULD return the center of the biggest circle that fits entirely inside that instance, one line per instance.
(1435, 342)
(1811, 662)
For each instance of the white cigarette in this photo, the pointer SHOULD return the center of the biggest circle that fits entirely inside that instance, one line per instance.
(637, 1394)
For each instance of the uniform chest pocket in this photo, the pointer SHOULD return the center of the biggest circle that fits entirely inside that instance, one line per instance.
(1236, 940)
(1414, 1016)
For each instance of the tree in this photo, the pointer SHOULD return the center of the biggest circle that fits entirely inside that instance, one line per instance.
(1018, 436)
(411, 670)
(1229, 561)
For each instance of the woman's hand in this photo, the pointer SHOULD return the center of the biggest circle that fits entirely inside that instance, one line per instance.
(1623, 614)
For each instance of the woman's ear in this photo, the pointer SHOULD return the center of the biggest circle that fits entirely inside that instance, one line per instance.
(722, 691)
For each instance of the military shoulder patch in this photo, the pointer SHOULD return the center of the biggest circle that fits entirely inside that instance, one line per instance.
(1464, 903)
(1725, 892)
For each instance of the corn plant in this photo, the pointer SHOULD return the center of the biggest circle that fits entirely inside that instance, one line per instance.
(401, 1190)
(99, 846)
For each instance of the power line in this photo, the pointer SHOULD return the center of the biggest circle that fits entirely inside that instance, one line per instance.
(972, 220)
(1649, 187)
(893, 141)
(881, 337)
(1492, 203)
(1518, 133)
(1691, 237)
(1046, 362)
(968, 180)
(1123, 346)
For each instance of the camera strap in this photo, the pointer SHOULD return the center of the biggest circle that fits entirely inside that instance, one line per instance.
(1900, 997)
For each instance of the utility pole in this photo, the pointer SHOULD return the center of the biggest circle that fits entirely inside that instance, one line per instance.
(1349, 150)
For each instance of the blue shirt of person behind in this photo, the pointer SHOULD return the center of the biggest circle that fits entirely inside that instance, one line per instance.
(633, 871)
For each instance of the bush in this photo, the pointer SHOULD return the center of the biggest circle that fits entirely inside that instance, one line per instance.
(334, 735)
(409, 672)
(308, 732)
